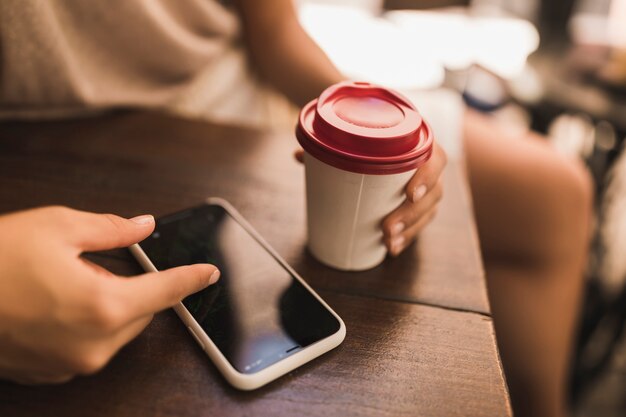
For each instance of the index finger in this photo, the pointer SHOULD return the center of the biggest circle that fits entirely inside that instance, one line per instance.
(155, 291)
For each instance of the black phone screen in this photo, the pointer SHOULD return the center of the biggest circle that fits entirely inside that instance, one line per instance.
(257, 313)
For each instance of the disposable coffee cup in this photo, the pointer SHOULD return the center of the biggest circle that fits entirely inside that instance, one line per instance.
(362, 144)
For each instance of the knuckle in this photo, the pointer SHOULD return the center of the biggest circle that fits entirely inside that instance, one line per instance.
(115, 221)
(387, 223)
(63, 216)
(64, 219)
(57, 210)
(414, 215)
(107, 317)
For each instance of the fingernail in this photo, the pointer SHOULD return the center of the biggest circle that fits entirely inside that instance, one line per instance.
(214, 277)
(143, 219)
(419, 192)
(397, 228)
(396, 244)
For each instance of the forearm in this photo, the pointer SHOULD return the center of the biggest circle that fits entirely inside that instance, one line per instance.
(284, 55)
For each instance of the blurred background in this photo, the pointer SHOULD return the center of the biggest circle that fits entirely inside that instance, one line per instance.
(555, 66)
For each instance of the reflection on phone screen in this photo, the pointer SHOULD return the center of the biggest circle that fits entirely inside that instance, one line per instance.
(257, 313)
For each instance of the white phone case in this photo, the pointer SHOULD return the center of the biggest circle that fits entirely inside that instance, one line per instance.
(274, 371)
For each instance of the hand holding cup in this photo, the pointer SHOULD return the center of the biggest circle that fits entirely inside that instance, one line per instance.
(423, 194)
(372, 174)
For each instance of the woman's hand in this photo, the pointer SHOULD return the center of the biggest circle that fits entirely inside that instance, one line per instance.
(423, 193)
(61, 315)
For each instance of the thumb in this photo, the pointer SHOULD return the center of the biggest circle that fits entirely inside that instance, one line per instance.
(93, 232)
(155, 291)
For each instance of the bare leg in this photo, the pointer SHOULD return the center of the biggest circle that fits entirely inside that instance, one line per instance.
(533, 211)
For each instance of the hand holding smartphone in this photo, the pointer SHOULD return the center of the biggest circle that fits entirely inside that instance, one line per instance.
(261, 320)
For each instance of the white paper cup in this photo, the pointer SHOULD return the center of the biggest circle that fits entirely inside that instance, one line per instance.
(362, 145)
(345, 211)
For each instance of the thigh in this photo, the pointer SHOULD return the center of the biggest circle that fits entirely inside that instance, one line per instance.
(532, 205)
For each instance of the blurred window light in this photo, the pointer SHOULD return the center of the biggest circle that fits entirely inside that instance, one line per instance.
(589, 29)
(572, 135)
(411, 49)
(503, 45)
(599, 23)
(617, 24)
(526, 9)
(500, 44)
(445, 35)
(371, 48)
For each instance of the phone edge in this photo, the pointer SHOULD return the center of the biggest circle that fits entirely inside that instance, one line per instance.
(235, 378)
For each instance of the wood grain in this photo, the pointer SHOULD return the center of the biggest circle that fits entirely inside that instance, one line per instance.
(398, 359)
(133, 163)
(420, 339)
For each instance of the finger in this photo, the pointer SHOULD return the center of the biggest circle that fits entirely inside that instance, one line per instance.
(152, 292)
(398, 243)
(299, 155)
(93, 232)
(408, 213)
(426, 176)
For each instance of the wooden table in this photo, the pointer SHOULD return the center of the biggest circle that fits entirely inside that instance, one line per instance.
(420, 336)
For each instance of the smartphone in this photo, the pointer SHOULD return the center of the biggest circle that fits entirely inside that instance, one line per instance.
(260, 320)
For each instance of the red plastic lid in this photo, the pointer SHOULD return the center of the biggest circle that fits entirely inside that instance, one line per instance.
(364, 128)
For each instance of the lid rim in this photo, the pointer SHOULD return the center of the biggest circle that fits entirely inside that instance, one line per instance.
(422, 147)
(379, 166)
(363, 149)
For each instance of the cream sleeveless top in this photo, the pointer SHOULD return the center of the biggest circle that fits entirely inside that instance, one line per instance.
(63, 57)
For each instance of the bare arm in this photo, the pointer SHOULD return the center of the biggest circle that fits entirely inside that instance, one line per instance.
(283, 53)
(293, 63)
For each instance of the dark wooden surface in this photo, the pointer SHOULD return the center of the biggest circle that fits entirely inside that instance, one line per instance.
(420, 337)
